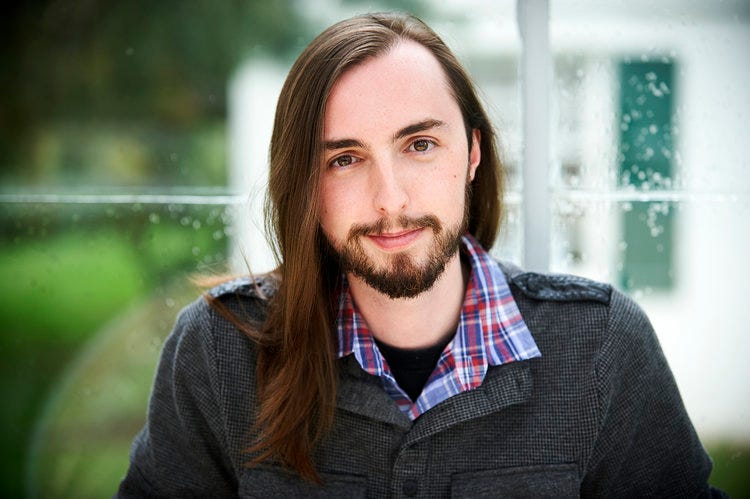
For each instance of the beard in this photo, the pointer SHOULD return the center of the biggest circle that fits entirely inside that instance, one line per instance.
(402, 276)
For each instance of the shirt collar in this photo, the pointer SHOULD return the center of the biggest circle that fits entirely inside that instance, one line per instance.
(490, 332)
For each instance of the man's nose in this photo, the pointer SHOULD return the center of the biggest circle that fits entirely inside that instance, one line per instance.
(390, 196)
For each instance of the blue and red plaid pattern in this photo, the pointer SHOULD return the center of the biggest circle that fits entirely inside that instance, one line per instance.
(490, 332)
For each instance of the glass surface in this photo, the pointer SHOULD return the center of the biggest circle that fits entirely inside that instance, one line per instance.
(114, 171)
(132, 157)
(89, 292)
(651, 190)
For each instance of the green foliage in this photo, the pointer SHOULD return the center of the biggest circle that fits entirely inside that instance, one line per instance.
(166, 60)
(74, 71)
(70, 154)
(81, 445)
(731, 468)
(67, 288)
(65, 272)
(60, 280)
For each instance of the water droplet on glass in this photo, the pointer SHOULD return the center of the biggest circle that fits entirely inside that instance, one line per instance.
(655, 90)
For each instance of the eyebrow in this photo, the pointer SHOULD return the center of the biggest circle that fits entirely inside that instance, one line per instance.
(332, 145)
(417, 127)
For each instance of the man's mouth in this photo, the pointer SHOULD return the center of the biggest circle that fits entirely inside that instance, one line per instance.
(394, 241)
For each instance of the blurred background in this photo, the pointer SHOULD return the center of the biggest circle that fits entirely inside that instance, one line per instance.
(133, 147)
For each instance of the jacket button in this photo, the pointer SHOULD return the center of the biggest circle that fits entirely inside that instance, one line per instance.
(410, 487)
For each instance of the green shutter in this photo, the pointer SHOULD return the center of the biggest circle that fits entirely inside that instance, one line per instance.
(645, 162)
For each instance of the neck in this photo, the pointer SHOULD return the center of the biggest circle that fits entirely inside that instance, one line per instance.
(419, 322)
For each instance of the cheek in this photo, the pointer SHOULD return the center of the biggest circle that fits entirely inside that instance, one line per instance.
(324, 206)
(335, 203)
(445, 188)
(324, 212)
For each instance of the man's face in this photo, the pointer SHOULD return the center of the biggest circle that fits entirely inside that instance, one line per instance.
(396, 171)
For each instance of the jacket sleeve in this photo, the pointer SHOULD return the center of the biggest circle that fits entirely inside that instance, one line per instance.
(181, 451)
(646, 445)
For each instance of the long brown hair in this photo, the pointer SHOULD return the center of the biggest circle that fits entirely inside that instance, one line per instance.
(296, 369)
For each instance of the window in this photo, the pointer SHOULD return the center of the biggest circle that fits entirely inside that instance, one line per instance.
(649, 184)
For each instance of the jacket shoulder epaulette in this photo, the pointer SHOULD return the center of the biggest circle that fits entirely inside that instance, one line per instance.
(561, 287)
(262, 287)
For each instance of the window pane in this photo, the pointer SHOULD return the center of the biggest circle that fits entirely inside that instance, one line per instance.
(105, 94)
(650, 182)
(89, 291)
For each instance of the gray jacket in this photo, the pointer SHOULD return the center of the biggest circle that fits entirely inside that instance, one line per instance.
(598, 415)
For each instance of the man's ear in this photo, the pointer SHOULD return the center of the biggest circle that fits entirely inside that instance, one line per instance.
(475, 152)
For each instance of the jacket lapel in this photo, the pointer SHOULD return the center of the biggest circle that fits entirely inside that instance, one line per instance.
(362, 394)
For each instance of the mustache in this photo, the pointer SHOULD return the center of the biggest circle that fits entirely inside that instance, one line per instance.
(386, 224)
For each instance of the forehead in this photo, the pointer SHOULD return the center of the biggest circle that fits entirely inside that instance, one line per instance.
(404, 85)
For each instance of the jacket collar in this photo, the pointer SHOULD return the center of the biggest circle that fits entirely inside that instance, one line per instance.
(362, 394)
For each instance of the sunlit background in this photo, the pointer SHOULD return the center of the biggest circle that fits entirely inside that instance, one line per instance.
(133, 147)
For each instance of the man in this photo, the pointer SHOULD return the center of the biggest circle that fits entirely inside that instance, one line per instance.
(389, 354)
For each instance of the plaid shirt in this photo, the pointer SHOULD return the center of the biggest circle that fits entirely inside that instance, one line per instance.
(490, 332)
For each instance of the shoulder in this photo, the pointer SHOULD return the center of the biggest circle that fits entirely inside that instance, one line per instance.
(574, 305)
(260, 287)
(204, 389)
(242, 299)
(556, 287)
(567, 288)
(211, 349)
(244, 295)
(210, 323)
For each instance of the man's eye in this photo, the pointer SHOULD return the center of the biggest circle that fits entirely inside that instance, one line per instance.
(422, 145)
(342, 161)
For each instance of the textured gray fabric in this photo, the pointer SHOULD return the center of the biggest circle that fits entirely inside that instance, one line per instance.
(598, 415)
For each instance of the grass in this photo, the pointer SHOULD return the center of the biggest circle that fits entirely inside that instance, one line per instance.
(731, 472)
(64, 275)
(100, 403)
(66, 289)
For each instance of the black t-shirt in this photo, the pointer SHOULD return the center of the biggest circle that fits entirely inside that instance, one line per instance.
(412, 367)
